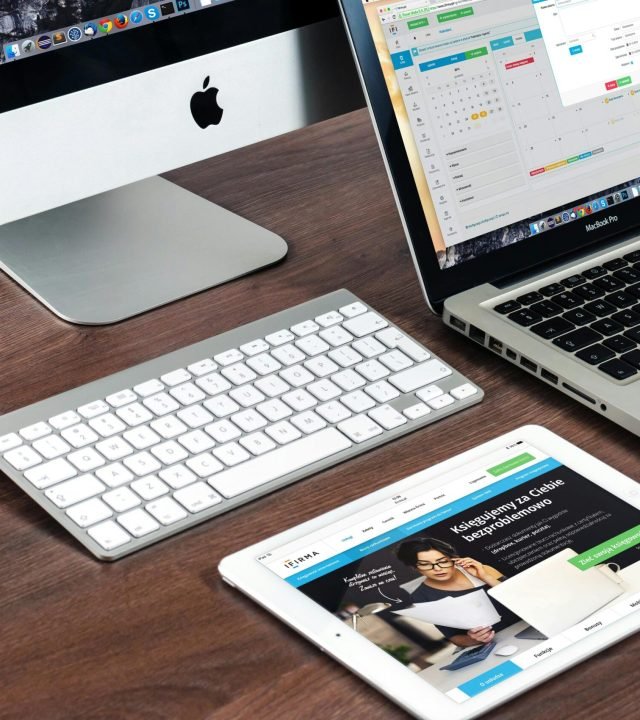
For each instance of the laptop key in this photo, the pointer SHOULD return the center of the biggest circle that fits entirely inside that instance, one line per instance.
(507, 307)
(553, 289)
(628, 275)
(634, 290)
(633, 257)
(621, 299)
(568, 300)
(620, 343)
(601, 308)
(609, 283)
(546, 308)
(633, 358)
(595, 354)
(573, 281)
(588, 292)
(578, 339)
(552, 328)
(594, 272)
(579, 317)
(607, 327)
(525, 317)
(618, 369)
(633, 334)
(628, 318)
(614, 264)
(529, 298)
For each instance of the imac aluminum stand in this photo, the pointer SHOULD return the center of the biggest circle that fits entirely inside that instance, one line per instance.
(118, 254)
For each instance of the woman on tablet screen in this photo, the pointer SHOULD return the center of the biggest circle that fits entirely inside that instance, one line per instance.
(446, 574)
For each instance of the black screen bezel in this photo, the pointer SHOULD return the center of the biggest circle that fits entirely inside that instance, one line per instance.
(57, 72)
(440, 284)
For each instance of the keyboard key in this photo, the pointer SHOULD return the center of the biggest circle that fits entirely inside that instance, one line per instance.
(178, 476)
(395, 360)
(507, 307)
(33, 432)
(283, 432)
(288, 355)
(609, 283)
(107, 425)
(255, 347)
(121, 499)
(161, 404)
(287, 459)
(168, 427)
(142, 464)
(309, 422)
(547, 308)
(614, 264)
(568, 300)
(633, 257)
(239, 374)
(229, 357)
(382, 391)
(573, 281)
(257, 443)
(360, 428)
(150, 487)
(553, 289)
(86, 459)
(280, 338)
(263, 364)
(441, 402)
(352, 310)
(619, 343)
(312, 345)
(525, 317)
(10, 441)
(202, 367)
(333, 412)
(345, 356)
(596, 354)
(628, 275)
(231, 454)
(114, 475)
(74, 491)
(308, 327)
(274, 410)
(93, 409)
(166, 510)
(550, 329)
(321, 366)
(417, 411)
(134, 415)
(529, 298)
(124, 397)
(588, 292)
(365, 324)
(195, 416)
(621, 299)
(348, 380)
(628, 318)
(196, 442)
(369, 347)
(387, 416)
(358, 402)
(329, 319)
(299, 400)
(222, 406)
(223, 431)
(579, 317)
(64, 420)
(272, 386)
(142, 437)
(419, 376)
(169, 452)
(79, 436)
(151, 387)
(607, 327)
(176, 377)
(89, 512)
(51, 447)
(246, 396)
(633, 358)
(47, 474)
(297, 376)
(213, 384)
(633, 334)
(634, 290)
(464, 391)
(601, 308)
(372, 370)
(22, 458)
(577, 339)
(109, 535)
(618, 369)
(187, 394)
(594, 272)
(396, 340)
(197, 497)
(138, 523)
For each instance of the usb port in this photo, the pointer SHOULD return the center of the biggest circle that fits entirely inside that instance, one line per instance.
(549, 377)
(495, 345)
(477, 334)
(528, 364)
(511, 355)
(457, 323)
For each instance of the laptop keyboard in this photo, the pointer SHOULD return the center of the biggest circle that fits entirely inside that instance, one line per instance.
(594, 315)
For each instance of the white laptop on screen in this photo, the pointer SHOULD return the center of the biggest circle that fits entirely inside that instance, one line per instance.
(510, 131)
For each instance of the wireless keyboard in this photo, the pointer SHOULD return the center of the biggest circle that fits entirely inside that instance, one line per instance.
(148, 452)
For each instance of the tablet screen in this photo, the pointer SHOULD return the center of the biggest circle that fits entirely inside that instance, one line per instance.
(477, 576)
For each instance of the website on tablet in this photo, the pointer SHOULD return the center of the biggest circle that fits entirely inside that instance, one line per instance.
(475, 577)
(518, 116)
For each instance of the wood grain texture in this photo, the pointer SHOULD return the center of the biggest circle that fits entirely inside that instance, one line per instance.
(157, 635)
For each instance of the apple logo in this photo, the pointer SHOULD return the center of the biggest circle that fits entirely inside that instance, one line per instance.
(204, 106)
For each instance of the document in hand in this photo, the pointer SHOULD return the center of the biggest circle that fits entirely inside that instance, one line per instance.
(465, 612)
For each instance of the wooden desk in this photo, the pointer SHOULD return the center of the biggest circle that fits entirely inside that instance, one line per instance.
(157, 635)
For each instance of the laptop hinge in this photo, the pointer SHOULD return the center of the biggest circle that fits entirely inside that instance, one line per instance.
(523, 276)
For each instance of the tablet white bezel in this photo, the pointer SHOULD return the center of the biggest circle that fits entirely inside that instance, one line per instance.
(372, 664)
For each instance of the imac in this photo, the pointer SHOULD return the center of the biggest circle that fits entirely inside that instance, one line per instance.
(98, 98)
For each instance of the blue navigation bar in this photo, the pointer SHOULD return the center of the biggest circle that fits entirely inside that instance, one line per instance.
(400, 533)
(492, 677)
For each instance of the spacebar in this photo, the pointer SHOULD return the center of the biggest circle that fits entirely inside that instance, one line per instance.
(280, 462)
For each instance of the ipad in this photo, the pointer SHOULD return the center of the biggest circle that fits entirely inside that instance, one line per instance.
(425, 589)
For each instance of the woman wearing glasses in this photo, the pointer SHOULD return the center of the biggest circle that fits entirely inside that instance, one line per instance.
(446, 574)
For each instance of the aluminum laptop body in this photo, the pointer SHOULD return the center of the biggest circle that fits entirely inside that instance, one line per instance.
(511, 134)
